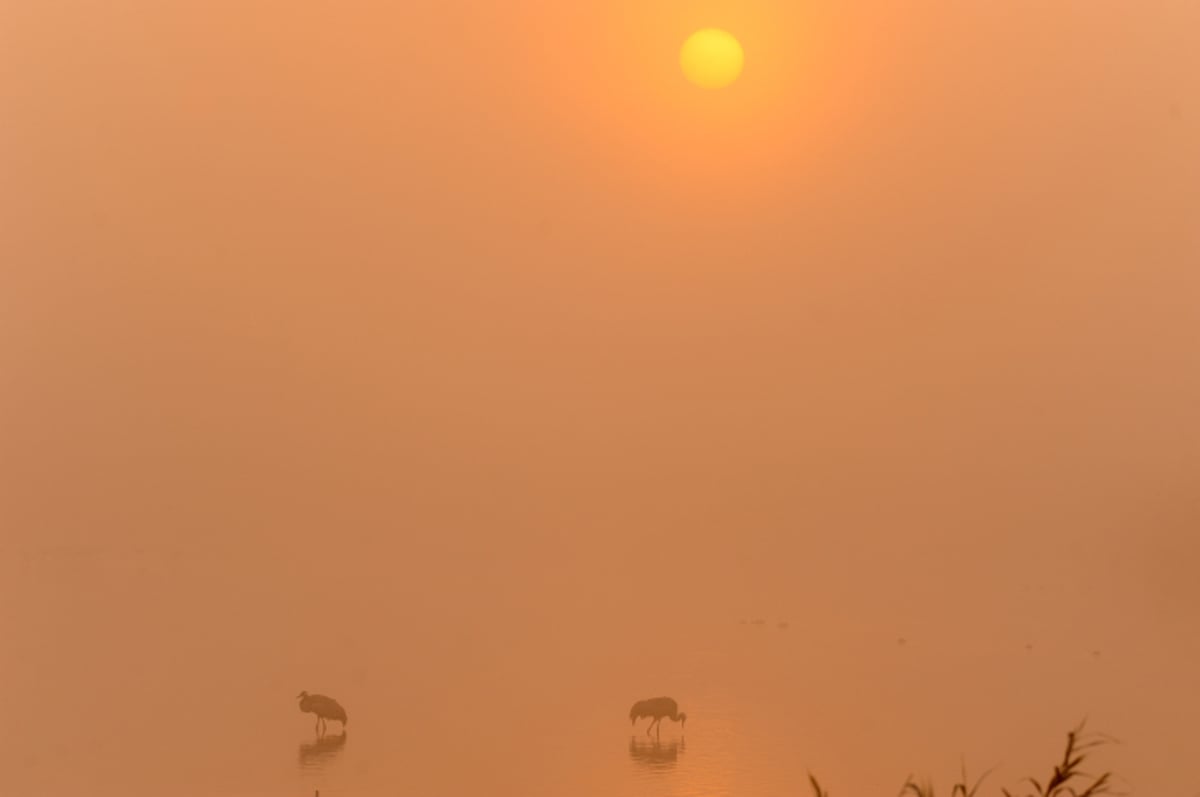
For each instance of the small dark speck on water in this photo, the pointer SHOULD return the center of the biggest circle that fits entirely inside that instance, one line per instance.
(901, 641)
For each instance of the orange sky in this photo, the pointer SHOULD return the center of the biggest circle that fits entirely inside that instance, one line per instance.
(911, 309)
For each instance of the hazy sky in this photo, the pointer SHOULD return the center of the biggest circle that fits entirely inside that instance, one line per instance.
(906, 322)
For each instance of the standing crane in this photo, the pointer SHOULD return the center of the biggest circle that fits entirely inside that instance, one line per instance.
(657, 708)
(326, 708)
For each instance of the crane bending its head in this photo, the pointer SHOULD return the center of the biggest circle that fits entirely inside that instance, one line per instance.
(326, 708)
(657, 708)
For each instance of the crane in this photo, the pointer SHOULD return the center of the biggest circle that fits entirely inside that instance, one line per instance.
(326, 708)
(657, 708)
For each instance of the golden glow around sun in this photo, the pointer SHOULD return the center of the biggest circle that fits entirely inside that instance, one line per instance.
(711, 58)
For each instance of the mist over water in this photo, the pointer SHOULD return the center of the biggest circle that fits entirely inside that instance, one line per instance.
(147, 672)
(461, 361)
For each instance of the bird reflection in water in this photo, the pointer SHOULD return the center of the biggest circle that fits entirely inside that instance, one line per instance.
(654, 754)
(317, 754)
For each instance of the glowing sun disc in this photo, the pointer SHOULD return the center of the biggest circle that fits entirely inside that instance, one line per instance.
(711, 58)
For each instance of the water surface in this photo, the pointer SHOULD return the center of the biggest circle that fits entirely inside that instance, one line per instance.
(141, 672)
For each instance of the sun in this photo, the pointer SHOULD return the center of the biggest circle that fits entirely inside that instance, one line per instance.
(711, 58)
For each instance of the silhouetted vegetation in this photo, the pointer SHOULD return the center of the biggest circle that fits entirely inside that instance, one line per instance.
(1066, 780)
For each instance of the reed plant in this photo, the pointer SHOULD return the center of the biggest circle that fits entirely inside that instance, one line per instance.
(1067, 779)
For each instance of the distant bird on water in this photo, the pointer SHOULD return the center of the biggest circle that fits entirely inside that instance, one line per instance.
(658, 708)
(326, 708)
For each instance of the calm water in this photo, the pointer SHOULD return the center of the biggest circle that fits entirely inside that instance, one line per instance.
(152, 672)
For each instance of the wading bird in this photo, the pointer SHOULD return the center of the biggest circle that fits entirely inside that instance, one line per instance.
(326, 708)
(656, 707)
